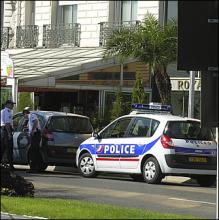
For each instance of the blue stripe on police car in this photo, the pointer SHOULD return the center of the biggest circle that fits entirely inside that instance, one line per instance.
(119, 149)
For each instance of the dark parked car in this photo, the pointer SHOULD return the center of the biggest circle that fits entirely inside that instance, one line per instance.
(62, 134)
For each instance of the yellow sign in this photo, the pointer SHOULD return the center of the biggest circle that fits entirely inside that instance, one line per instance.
(7, 67)
(9, 71)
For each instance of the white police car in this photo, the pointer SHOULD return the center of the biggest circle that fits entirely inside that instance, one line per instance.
(151, 143)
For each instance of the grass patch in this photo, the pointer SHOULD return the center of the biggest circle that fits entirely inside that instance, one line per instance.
(74, 209)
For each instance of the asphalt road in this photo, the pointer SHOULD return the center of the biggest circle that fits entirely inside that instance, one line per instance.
(174, 195)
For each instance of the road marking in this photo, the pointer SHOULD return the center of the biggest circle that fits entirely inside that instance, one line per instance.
(27, 216)
(188, 200)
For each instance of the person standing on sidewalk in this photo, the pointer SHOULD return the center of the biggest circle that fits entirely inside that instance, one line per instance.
(6, 132)
(35, 135)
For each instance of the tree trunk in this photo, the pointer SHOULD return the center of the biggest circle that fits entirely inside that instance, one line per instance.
(163, 83)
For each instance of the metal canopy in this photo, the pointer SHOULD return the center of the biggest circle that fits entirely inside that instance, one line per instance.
(41, 63)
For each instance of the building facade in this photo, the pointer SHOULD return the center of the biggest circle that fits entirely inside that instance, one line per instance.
(57, 48)
(46, 19)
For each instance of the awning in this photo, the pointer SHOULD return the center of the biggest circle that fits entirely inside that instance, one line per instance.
(33, 66)
(41, 67)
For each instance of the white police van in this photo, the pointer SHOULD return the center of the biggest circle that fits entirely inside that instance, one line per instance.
(151, 143)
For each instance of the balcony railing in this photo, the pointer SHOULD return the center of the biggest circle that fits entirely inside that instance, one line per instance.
(61, 35)
(5, 37)
(107, 28)
(27, 36)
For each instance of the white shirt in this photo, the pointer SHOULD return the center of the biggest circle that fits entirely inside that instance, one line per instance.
(6, 116)
(31, 118)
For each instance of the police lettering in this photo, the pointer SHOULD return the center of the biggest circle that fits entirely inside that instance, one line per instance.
(119, 149)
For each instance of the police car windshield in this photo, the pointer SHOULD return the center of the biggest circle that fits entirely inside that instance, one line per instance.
(188, 130)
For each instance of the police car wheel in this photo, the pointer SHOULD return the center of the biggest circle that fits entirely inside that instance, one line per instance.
(151, 171)
(86, 165)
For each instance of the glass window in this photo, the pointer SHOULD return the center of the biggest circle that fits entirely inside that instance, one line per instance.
(140, 128)
(70, 124)
(154, 126)
(172, 11)
(112, 75)
(19, 123)
(129, 10)
(29, 12)
(33, 12)
(69, 14)
(117, 129)
(42, 120)
(188, 130)
(2, 13)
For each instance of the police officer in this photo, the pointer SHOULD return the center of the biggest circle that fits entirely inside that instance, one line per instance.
(35, 135)
(6, 132)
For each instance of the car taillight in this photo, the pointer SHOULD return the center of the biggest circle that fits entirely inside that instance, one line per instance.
(166, 141)
(48, 135)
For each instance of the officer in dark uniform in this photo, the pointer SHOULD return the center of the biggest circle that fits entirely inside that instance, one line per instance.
(6, 132)
(35, 135)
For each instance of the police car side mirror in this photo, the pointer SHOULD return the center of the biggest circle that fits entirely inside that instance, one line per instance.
(96, 135)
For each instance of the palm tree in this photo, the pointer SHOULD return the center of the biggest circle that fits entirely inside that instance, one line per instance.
(151, 43)
(138, 94)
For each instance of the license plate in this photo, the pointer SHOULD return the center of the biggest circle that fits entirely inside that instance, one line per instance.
(198, 159)
(70, 150)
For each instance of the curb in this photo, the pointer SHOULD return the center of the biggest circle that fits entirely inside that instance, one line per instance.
(19, 216)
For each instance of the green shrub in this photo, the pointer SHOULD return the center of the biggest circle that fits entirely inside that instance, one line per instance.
(117, 105)
(5, 94)
(138, 93)
(24, 100)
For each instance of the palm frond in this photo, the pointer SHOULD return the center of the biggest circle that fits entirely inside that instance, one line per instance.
(150, 42)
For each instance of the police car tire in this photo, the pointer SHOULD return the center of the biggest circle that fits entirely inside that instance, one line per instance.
(205, 180)
(93, 172)
(154, 171)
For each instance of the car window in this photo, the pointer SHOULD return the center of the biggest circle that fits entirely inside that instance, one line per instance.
(117, 129)
(188, 130)
(42, 120)
(154, 126)
(16, 120)
(70, 124)
(19, 122)
(140, 128)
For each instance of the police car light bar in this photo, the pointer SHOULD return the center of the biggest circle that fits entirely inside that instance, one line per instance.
(153, 107)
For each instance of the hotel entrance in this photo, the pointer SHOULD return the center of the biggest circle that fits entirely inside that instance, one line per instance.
(79, 102)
